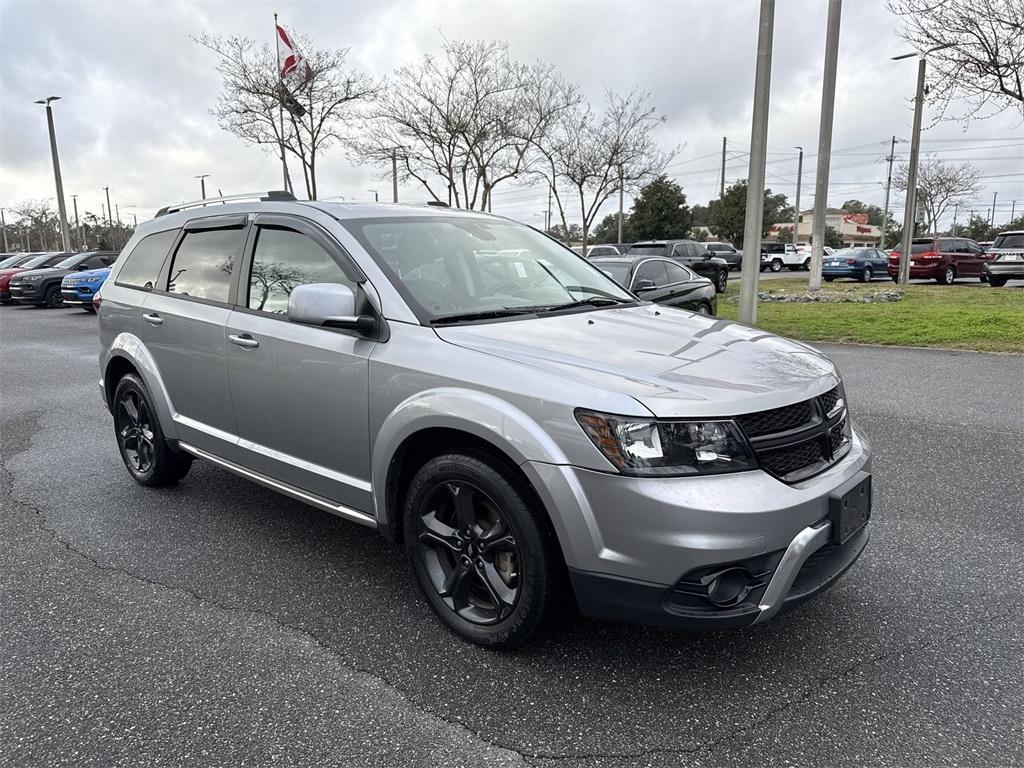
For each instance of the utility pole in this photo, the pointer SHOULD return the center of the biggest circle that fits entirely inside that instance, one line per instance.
(620, 204)
(65, 239)
(103, 211)
(1013, 211)
(828, 101)
(135, 220)
(110, 211)
(721, 188)
(117, 207)
(548, 227)
(394, 175)
(888, 187)
(799, 175)
(202, 184)
(78, 227)
(3, 224)
(910, 208)
(992, 218)
(755, 175)
(956, 209)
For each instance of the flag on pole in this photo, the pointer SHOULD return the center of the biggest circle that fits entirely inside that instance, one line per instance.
(295, 70)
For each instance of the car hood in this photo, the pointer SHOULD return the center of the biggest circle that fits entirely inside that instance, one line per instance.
(676, 363)
(98, 272)
(45, 272)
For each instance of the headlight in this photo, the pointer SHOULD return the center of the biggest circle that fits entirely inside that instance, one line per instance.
(655, 447)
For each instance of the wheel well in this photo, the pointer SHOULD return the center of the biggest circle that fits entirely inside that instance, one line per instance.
(417, 449)
(116, 369)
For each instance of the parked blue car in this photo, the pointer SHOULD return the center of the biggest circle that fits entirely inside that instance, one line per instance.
(856, 263)
(79, 288)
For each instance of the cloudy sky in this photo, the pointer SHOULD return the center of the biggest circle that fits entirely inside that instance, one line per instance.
(137, 92)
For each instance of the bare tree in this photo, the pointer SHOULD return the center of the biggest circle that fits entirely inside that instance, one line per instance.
(461, 123)
(940, 185)
(592, 155)
(982, 54)
(250, 98)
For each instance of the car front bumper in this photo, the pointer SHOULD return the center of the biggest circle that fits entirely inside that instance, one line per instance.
(634, 545)
(77, 296)
(26, 294)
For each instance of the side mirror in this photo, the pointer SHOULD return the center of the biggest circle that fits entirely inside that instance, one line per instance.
(328, 305)
(644, 285)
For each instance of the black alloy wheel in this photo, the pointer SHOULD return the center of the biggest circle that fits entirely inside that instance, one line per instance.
(483, 557)
(146, 454)
(721, 281)
(52, 298)
(469, 552)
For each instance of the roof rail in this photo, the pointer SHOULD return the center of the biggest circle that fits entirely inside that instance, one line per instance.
(274, 194)
(438, 204)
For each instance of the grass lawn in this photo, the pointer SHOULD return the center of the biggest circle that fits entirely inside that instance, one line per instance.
(956, 316)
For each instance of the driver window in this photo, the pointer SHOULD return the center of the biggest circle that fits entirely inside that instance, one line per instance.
(282, 260)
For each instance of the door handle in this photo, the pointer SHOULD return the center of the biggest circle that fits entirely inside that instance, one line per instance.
(153, 319)
(245, 341)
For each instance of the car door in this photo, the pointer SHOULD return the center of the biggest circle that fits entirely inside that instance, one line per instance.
(299, 392)
(683, 290)
(183, 327)
(978, 256)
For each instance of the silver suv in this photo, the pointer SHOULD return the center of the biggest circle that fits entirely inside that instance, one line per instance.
(491, 402)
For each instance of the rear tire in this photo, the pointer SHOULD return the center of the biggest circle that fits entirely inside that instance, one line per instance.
(947, 277)
(484, 557)
(866, 275)
(721, 281)
(776, 265)
(996, 282)
(829, 279)
(147, 456)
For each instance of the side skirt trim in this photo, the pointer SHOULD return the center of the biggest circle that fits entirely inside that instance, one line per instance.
(288, 490)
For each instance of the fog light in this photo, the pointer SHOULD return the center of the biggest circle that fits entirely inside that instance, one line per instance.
(730, 586)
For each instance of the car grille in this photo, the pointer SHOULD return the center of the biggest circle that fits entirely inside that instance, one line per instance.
(800, 440)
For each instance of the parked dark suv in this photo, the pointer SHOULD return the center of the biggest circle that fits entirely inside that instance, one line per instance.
(943, 259)
(42, 286)
(690, 253)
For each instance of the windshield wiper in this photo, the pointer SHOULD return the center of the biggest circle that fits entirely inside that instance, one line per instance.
(592, 301)
(483, 315)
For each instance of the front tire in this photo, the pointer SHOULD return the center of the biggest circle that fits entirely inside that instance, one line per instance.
(52, 298)
(147, 456)
(483, 556)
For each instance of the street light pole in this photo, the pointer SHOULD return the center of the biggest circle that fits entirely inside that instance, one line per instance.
(620, 204)
(754, 219)
(799, 176)
(65, 238)
(376, 197)
(78, 227)
(3, 225)
(394, 175)
(721, 188)
(828, 102)
(202, 184)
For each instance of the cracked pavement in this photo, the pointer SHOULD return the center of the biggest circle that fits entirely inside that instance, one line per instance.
(218, 623)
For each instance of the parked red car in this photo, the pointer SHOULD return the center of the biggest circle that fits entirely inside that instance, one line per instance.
(943, 259)
(38, 261)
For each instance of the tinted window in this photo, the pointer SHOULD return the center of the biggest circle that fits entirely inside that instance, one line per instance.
(677, 273)
(10, 261)
(922, 247)
(647, 249)
(203, 265)
(282, 260)
(618, 271)
(651, 270)
(143, 264)
(1012, 240)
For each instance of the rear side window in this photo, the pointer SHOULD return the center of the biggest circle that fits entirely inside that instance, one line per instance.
(653, 271)
(677, 273)
(204, 263)
(142, 266)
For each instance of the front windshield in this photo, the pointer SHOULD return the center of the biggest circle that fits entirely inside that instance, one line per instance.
(43, 260)
(10, 261)
(461, 266)
(69, 262)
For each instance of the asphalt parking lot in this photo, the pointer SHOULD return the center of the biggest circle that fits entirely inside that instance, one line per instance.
(217, 623)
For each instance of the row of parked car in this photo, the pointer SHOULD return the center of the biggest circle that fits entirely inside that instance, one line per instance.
(53, 279)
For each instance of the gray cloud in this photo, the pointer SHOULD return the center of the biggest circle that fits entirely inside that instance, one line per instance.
(137, 91)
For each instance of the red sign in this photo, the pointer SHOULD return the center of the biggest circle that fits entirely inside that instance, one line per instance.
(863, 230)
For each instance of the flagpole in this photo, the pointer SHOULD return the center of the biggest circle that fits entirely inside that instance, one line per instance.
(280, 106)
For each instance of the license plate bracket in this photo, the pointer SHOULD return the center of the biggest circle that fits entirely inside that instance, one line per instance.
(849, 507)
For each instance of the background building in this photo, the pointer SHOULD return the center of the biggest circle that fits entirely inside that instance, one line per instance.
(853, 228)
